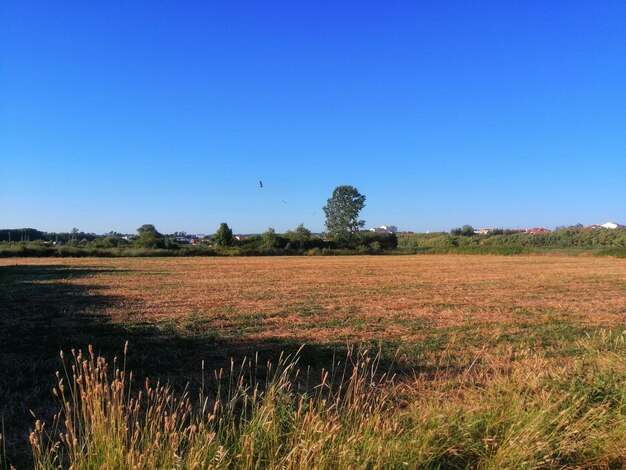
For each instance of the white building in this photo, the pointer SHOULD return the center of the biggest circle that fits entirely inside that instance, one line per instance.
(384, 229)
(611, 225)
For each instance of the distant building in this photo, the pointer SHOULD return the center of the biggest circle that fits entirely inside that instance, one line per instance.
(485, 231)
(611, 225)
(607, 225)
(384, 229)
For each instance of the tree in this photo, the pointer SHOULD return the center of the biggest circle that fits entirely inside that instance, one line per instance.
(299, 237)
(224, 235)
(269, 239)
(342, 213)
(465, 231)
(149, 237)
(148, 229)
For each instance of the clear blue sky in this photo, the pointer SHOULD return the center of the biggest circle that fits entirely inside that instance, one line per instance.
(114, 114)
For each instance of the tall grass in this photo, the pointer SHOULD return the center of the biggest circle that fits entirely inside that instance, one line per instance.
(3, 450)
(527, 413)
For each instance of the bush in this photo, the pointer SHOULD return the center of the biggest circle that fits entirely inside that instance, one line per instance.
(378, 241)
(465, 231)
(570, 238)
(299, 239)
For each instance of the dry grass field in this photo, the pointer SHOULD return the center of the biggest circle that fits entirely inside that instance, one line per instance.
(432, 319)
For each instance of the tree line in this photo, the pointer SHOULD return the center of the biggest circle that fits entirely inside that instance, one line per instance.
(344, 235)
(571, 239)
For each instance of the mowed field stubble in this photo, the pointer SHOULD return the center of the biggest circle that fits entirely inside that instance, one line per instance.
(330, 299)
(429, 317)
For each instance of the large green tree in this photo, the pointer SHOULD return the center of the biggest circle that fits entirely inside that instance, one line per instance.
(342, 213)
(149, 237)
(224, 235)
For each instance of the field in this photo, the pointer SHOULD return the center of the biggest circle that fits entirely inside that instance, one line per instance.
(460, 333)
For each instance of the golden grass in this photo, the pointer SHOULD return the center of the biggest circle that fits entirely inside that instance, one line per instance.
(533, 416)
(289, 296)
(466, 327)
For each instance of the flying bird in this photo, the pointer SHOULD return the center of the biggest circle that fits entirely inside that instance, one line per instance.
(261, 184)
(284, 202)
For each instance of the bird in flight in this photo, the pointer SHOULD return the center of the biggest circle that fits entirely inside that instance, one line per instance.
(261, 184)
(284, 203)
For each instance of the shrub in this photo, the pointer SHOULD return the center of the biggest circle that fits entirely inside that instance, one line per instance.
(382, 241)
(465, 231)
